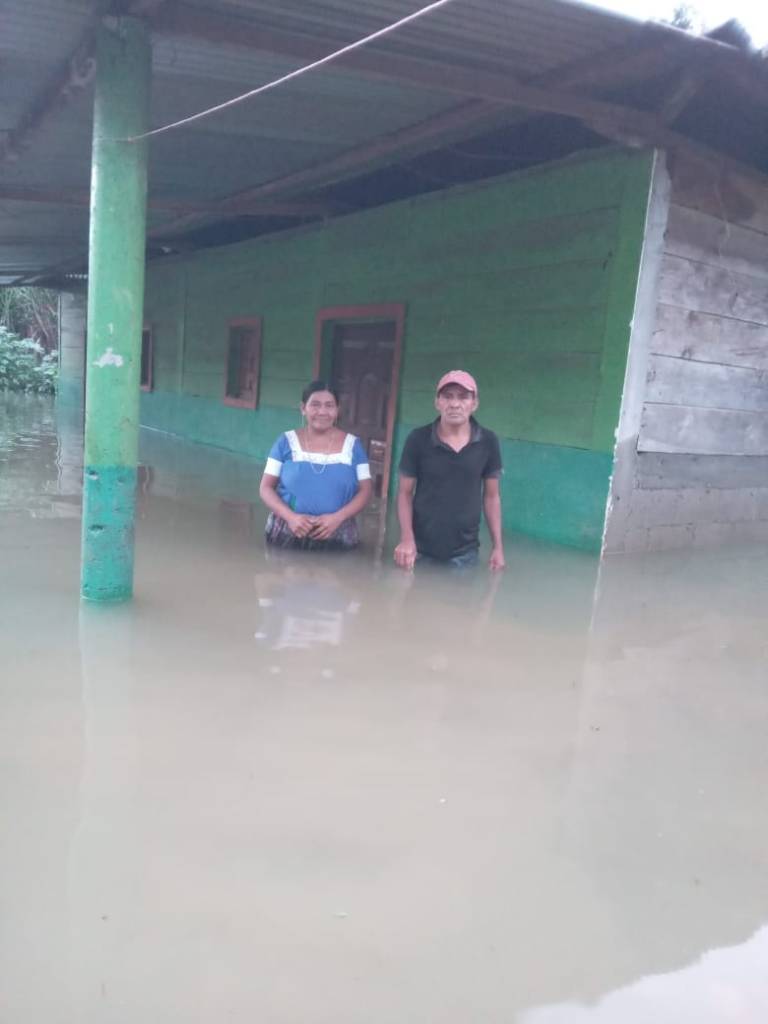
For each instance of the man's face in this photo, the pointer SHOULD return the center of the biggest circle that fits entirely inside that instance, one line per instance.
(455, 405)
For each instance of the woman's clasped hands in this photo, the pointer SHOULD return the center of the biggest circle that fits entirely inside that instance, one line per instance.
(317, 527)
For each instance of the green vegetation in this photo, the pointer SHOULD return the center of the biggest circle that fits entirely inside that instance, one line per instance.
(25, 365)
(30, 313)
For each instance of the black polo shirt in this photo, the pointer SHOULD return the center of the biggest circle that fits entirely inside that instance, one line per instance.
(449, 488)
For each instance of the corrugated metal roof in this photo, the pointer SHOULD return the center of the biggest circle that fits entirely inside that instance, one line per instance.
(301, 125)
(531, 34)
(36, 36)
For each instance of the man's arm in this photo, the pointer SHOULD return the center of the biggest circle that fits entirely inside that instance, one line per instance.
(405, 552)
(492, 509)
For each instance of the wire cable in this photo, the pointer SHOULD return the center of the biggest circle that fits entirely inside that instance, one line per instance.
(293, 74)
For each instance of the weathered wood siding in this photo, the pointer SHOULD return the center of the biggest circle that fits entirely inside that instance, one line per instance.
(699, 470)
(528, 281)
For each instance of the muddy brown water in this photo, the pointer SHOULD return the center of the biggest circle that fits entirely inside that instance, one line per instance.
(318, 790)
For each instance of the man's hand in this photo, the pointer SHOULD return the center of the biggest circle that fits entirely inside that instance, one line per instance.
(301, 526)
(405, 554)
(325, 526)
(496, 562)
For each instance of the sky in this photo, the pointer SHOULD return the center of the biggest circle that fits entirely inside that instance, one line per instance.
(753, 14)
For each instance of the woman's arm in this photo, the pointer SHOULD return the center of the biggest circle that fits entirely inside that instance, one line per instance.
(299, 525)
(327, 525)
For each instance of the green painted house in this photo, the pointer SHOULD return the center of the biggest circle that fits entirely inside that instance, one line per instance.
(563, 207)
(527, 280)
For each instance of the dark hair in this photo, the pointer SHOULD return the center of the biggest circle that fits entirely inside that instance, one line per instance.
(315, 386)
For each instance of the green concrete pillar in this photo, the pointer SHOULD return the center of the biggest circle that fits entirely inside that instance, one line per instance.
(115, 307)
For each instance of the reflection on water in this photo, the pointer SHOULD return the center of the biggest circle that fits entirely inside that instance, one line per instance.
(723, 985)
(303, 602)
(303, 788)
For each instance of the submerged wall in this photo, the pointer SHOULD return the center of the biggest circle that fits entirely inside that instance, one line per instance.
(697, 470)
(70, 389)
(527, 281)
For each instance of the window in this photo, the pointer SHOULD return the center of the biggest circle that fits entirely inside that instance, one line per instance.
(243, 363)
(146, 359)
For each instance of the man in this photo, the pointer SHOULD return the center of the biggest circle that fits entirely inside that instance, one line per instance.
(449, 469)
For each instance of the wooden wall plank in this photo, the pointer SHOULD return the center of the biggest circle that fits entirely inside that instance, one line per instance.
(694, 535)
(708, 385)
(662, 471)
(700, 472)
(707, 239)
(689, 334)
(671, 428)
(708, 289)
(679, 507)
(703, 184)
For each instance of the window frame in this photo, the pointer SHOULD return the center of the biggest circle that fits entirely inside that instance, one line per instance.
(149, 384)
(255, 323)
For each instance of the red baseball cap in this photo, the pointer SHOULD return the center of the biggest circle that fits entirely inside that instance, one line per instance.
(461, 377)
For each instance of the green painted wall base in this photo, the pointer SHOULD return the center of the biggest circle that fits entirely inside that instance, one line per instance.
(556, 493)
(70, 391)
(109, 501)
(207, 421)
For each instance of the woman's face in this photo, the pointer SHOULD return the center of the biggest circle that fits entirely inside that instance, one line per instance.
(321, 410)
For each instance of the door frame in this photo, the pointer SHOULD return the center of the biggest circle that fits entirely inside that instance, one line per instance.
(326, 319)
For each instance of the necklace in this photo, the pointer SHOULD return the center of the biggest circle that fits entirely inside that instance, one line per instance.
(318, 468)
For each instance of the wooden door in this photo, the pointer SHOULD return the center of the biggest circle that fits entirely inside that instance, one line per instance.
(362, 370)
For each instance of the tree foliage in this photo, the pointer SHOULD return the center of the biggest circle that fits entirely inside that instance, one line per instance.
(685, 16)
(25, 365)
(31, 313)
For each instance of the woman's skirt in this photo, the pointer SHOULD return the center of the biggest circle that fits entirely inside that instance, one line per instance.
(278, 533)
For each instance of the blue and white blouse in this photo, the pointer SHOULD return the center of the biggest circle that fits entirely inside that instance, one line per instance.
(313, 483)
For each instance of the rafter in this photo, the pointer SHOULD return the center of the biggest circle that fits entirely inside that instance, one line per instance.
(626, 125)
(80, 198)
(72, 264)
(687, 84)
(426, 135)
(647, 53)
(72, 75)
(30, 242)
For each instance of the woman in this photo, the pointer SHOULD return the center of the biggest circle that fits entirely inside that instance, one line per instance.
(316, 479)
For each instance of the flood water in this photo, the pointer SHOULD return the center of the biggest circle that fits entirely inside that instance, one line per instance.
(309, 790)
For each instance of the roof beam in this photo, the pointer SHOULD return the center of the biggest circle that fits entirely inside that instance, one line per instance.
(74, 73)
(620, 124)
(54, 197)
(30, 242)
(744, 70)
(70, 265)
(415, 138)
(687, 84)
(14, 272)
(80, 198)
